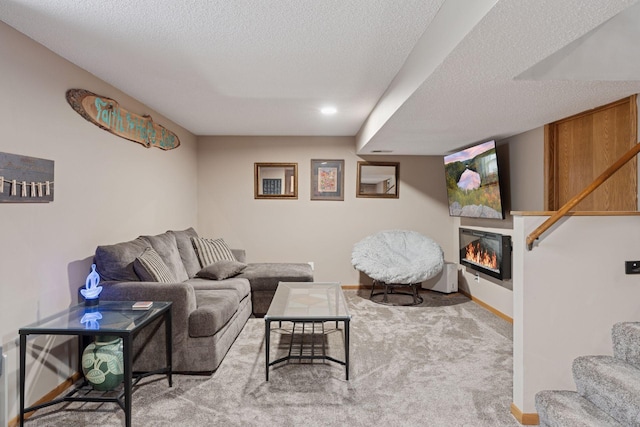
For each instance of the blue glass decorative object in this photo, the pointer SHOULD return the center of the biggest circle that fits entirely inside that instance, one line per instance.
(90, 320)
(91, 292)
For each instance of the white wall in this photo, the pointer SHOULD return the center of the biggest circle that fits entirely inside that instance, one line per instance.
(306, 230)
(107, 189)
(568, 292)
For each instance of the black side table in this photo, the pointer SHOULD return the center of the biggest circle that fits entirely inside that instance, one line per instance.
(117, 318)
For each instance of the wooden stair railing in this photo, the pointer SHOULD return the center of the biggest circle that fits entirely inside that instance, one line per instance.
(535, 234)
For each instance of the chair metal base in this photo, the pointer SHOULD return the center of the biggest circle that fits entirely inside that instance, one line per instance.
(389, 289)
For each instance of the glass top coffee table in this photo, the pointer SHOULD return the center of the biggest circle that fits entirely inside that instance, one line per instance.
(304, 303)
(108, 318)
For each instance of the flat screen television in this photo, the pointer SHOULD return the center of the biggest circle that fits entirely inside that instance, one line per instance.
(473, 183)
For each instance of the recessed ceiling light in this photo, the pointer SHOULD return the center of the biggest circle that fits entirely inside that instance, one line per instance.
(327, 111)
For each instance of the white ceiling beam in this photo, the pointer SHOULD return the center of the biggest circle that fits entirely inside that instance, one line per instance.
(454, 20)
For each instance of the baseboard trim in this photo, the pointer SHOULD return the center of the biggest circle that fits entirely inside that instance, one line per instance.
(354, 287)
(48, 397)
(531, 419)
(487, 306)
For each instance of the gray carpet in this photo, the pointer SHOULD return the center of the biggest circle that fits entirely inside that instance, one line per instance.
(447, 363)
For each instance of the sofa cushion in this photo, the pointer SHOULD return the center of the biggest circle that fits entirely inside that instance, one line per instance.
(166, 246)
(221, 270)
(151, 268)
(215, 309)
(115, 262)
(265, 276)
(211, 250)
(187, 252)
(240, 287)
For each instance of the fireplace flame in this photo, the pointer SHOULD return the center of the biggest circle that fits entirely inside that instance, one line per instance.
(476, 254)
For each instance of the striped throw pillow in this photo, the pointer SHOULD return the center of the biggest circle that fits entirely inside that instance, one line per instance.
(211, 250)
(151, 268)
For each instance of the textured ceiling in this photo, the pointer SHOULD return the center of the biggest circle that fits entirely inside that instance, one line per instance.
(474, 94)
(413, 77)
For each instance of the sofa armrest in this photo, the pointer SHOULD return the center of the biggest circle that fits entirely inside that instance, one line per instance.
(240, 254)
(182, 295)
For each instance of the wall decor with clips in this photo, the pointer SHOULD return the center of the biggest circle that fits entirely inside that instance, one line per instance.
(25, 179)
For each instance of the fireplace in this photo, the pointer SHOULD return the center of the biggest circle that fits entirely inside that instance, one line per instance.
(488, 253)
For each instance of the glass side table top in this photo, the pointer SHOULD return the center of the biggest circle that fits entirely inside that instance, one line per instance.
(308, 300)
(108, 316)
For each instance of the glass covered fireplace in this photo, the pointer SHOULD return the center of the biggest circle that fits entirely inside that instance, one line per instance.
(488, 253)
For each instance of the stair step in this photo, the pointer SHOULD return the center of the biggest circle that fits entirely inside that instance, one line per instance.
(626, 342)
(562, 408)
(610, 384)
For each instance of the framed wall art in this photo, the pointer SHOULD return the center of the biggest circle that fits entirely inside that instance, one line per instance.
(327, 179)
(378, 180)
(25, 179)
(276, 180)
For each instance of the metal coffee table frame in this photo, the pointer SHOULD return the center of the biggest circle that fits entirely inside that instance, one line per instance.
(55, 325)
(284, 308)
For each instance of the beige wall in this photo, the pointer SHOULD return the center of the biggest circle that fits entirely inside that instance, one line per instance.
(526, 170)
(107, 189)
(307, 230)
(568, 293)
(521, 160)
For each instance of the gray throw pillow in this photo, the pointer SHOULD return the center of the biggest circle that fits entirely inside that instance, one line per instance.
(221, 270)
(115, 262)
(151, 268)
(165, 245)
(187, 253)
(211, 250)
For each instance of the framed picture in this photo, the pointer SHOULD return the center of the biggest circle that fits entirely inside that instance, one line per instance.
(378, 179)
(275, 180)
(25, 179)
(327, 179)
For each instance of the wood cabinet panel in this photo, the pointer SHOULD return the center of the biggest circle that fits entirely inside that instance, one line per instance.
(581, 147)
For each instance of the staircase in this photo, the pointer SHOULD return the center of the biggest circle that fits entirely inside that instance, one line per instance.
(608, 388)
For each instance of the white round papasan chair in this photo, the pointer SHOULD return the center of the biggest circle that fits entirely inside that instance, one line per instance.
(398, 258)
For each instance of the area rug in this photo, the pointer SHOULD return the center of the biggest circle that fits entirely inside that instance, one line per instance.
(446, 362)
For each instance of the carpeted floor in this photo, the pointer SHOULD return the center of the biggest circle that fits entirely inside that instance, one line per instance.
(447, 363)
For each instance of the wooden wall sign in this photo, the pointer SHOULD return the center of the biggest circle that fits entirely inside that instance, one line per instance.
(107, 114)
(25, 179)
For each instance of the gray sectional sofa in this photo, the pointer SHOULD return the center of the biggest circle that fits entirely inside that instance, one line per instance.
(207, 314)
